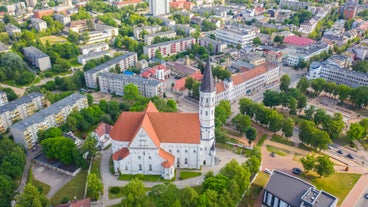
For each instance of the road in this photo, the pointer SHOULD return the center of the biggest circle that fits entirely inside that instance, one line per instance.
(362, 202)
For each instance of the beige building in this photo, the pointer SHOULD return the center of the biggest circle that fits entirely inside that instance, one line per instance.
(169, 48)
(39, 24)
(148, 39)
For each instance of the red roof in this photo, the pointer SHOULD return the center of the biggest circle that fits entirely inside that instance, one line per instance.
(180, 84)
(146, 74)
(121, 154)
(102, 129)
(300, 41)
(169, 158)
(79, 203)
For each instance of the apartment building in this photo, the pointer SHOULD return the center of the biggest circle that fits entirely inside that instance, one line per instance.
(83, 59)
(115, 83)
(149, 29)
(217, 46)
(3, 98)
(169, 48)
(124, 61)
(63, 19)
(102, 33)
(333, 73)
(20, 108)
(43, 12)
(293, 4)
(13, 31)
(293, 56)
(159, 7)
(31, 3)
(39, 24)
(85, 49)
(236, 36)
(148, 39)
(37, 58)
(25, 131)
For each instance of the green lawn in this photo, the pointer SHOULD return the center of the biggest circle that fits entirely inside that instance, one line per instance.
(188, 174)
(42, 187)
(304, 147)
(197, 188)
(153, 178)
(255, 189)
(281, 140)
(52, 39)
(95, 168)
(338, 184)
(278, 151)
(74, 62)
(261, 140)
(233, 132)
(75, 187)
(119, 193)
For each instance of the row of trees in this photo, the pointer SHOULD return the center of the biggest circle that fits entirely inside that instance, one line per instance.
(358, 130)
(13, 68)
(322, 165)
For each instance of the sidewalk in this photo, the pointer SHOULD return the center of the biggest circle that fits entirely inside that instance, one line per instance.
(355, 193)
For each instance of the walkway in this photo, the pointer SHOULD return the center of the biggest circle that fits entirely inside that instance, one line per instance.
(355, 193)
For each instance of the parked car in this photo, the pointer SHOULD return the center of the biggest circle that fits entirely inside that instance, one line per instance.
(366, 196)
(267, 171)
(340, 152)
(272, 154)
(330, 147)
(350, 156)
(297, 171)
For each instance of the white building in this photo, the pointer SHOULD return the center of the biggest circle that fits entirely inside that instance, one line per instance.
(169, 48)
(159, 7)
(149, 29)
(124, 61)
(155, 143)
(39, 24)
(102, 134)
(148, 39)
(235, 36)
(13, 31)
(333, 73)
(217, 46)
(293, 56)
(85, 49)
(83, 59)
(3, 98)
(62, 18)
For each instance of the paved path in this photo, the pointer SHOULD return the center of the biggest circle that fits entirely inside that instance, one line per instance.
(353, 197)
(110, 180)
(30, 155)
(18, 91)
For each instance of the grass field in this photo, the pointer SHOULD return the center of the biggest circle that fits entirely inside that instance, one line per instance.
(338, 184)
(42, 187)
(261, 140)
(95, 168)
(119, 194)
(188, 174)
(278, 151)
(75, 187)
(153, 178)
(281, 140)
(52, 39)
(255, 189)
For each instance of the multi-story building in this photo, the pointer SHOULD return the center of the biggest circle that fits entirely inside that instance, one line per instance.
(63, 19)
(13, 31)
(37, 58)
(169, 48)
(39, 24)
(16, 8)
(85, 49)
(124, 61)
(293, 56)
(115, 83)
(159, 7)
(308, 26)
(83, 59)
(120, 4)
(349, 10)
(336, 74)
(148, 29)
(43, 12)
(188, 30)
(148, 39)
(31, 3)
(102, 33)
(217, 46)
(236, 36)
(3, 98)
(78, 26)
(293, 4)
(283, 189)
(20, 109)
(110, 31)
(25, 131)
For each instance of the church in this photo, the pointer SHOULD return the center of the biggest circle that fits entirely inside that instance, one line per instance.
(155, 143)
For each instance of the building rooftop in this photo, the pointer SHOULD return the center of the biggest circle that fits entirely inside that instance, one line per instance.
(34, 52)
(14, 104)
(94, 54)
(299, 41)
(110, 62)
(44, 113)
(169, 42)
(160, 33)
(135, 79)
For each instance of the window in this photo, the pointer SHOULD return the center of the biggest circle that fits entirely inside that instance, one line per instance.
(186, 151)
(269, 199)
(206, 113)
(276, 202)
(205, 149)
(139, 157)
(169, 150)
(150, 167)
(140, 167)
(186, 161)
(194, 151)
(206, 100)
(177, 151)
(149, 157)
(126, 167)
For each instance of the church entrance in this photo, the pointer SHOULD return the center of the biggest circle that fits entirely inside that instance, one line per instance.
(204, 162)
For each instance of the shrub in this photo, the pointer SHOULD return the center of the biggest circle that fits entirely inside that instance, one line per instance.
(115, 190)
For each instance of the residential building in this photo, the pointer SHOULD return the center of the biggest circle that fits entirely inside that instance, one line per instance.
(181, 4)
(349, 10)
(39, 24)
(155, 143)
(37, 58)
(142, 64)
(98, 47)
(3, 98)
(188, 30)
(4, 48)
(77, 203)
(293, 5)
(25, 131)
(360, 52)
(31, 3)
(293, 56)
(13, 31)
(159, 7)
(217, 46)
(298, 41)
(16, 8)
(341, 61)
(19, 109)
(83, 59)
(236, 36)
(169, 48)
(181, 70)
(124, 61)
(308, 26)
(283, 189)
(159, 72)
(68, 3)
(148, 29)
(120, 3)
(102, 135)
(63, 19)
(78, 26)
(272, 54)
(148, 39)
(102, 33)
(257, 60)
(332, 73)
(43, 12)
(115, 83)
(248, 82)
(110, 31)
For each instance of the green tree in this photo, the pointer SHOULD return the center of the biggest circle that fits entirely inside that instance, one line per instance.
(222, 112)
(302, 103)
(343, 91)
(188, 197)
(164, 195)
(251, 134)
(257, 41)
(131, 92)
(158, 54)
(330, 87)
(10, 94)
(134, 194)
(361, 66)
(60, 148)
(318, 85)
(303, 84)
(359, 97)
(324, 166)
(7, 189)
(241, 122)
(89, 146)
(31, 197)
(285, 82)
(292, 105)
(94, 187)
(364, 124)
(271, 98)
(356, 131)
(49, 133)
(189, 81)
(309, 162)
(288, 127)
(171, 104)
(334, 125)
(90, 99)
(320, 117)
(253, 163)
(309, 112)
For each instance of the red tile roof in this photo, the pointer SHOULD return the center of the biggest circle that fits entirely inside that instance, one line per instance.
(121, 154)
(180, 84)
(169, 158)
(79, 203)
(300, 41)
(102, 129)
(160, 126)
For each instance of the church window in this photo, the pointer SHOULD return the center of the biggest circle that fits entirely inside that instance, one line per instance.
(126, 167)
(206, 113)
(186, 151)
(201, 148)
(140, 167)
(212, 99)
(194, 151)
(205, 149)
(144, 153)
(150, 167)
(149, 157)
(201, 99)
(186, 161)
(177, 151)
(169, 150)
(139, 157)
(206, 100)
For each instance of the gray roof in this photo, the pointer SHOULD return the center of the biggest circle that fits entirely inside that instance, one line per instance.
(110, 62)
(208, 83)
(132, 79)
(14, 104)
(44, 113)
(101, 44)
(292, 190)
(94, 54)
(34, 52)
(169, 42)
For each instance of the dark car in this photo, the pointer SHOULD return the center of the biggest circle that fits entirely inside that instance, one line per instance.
(350, 156)
(297, 171)
(366, 196)
(340, 152)
(272, 154)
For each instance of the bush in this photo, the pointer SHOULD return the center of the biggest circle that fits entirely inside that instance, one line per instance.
(65, 200)
(115, 190)
(261, 140)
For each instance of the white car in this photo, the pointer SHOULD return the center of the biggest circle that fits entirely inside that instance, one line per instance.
(267, 171)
